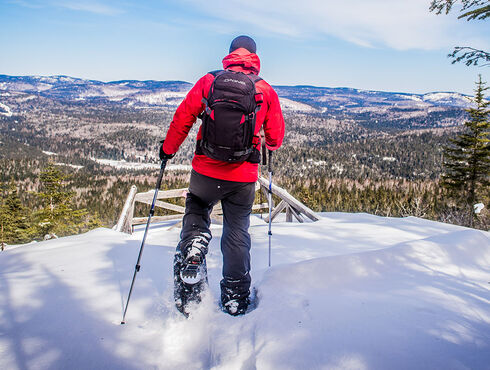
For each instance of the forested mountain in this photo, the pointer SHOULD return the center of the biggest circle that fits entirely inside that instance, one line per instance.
(334, 137)
(125, 119)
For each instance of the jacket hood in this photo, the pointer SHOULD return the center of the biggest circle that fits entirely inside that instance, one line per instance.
(244, 60)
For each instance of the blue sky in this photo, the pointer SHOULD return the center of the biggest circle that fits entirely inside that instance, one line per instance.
(390, 45)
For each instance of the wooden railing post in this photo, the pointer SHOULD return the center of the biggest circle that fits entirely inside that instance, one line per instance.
(125, 222)
(293, 206)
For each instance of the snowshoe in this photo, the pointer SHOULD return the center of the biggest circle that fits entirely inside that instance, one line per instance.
(190, 279)
(236, 304)
(193, 270)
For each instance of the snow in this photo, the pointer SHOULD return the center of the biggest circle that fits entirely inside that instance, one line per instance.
(123, 164)
(389, 159)
(77, 167)
(442, 96)
(478, 207)
(26, 97)
(316, 163)
(66, 79)
(294, 106)
(49, 153)
(351, 291)
(6, 110)
(117, 91)
(111, 92)
(338, 168)
(410, 97)
(47, 79)
(447, 98)
(162, 98)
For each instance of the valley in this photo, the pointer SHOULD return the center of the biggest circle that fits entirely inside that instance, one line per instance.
(336, 136)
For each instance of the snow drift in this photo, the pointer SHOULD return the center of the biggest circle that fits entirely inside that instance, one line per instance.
(351, 291)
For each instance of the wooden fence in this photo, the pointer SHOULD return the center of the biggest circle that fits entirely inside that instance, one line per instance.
(288, 203)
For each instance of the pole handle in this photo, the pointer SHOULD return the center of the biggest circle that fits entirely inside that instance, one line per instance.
(270, 161)
(160, 175)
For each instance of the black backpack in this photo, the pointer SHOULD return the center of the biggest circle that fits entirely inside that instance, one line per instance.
(228, 120)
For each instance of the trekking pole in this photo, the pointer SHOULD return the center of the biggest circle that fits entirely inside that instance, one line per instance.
(264, 158)
(152, 211)
(270, 205)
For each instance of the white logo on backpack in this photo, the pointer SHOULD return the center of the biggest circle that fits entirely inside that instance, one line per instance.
(233, 80)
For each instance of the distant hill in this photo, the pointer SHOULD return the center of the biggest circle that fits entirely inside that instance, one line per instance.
(342, 97)
(76, 89)
(170, 93)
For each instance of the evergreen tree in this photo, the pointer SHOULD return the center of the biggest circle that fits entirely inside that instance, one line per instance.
(14, 222)
(57, 217)
(467, 160)
(5, 218)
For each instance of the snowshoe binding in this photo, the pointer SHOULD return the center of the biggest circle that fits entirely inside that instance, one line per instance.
(190, 278)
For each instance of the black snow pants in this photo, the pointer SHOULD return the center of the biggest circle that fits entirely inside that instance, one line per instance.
(236, 200)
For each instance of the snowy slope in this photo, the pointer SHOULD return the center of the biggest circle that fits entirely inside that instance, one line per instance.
(5, 110)
(448, 98)
(140, 166)
(352, 291)
(288, 105)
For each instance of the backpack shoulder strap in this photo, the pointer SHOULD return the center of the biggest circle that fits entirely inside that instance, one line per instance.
(216, 73)
(254, 78)
(204, 100)
(259, 98)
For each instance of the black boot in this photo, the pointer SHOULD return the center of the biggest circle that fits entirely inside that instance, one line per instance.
(190, 274)
(235, 298)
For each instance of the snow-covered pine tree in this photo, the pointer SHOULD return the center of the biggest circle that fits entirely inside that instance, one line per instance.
(467, 160)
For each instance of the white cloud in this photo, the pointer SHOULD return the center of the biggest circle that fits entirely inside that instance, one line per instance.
(91, 7)
(397, 24)
(85, 6)
(27, 4)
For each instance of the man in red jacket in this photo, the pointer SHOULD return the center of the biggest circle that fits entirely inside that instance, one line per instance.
(232, 183)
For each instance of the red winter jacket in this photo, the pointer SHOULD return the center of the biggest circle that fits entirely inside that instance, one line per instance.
(269, 116)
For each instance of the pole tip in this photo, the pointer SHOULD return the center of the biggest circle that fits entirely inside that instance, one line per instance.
(123, 322)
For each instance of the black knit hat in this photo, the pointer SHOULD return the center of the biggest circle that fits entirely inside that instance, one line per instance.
(243, 42)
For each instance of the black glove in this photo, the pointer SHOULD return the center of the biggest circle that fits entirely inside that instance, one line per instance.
(164, 156)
